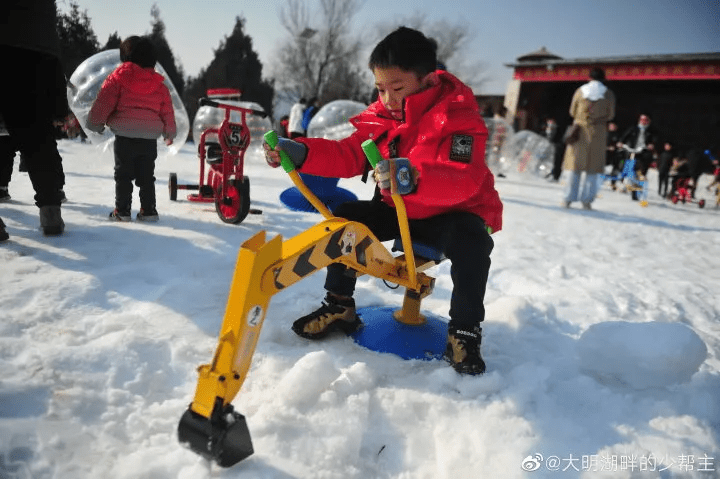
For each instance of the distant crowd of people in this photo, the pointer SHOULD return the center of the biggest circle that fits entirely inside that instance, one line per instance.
(296, 124)
(600, 149)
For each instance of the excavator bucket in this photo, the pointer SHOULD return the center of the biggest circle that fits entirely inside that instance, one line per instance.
(224, 439)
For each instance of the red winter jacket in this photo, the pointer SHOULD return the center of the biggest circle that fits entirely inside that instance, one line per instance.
(134, 102)
(444, 137)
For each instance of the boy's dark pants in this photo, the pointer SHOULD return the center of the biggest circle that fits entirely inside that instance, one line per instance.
(134, 160)
(461, 236)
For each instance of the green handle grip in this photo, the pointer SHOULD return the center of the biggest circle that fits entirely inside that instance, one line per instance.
(271, 139)
(371, 152)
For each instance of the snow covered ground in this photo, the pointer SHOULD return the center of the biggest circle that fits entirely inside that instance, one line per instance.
(602, 339)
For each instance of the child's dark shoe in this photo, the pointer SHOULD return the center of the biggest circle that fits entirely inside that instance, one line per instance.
(463, 350)
(335, 314)
(149, 214)
(118, 215)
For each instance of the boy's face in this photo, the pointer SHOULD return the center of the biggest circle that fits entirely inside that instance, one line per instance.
(394, 85)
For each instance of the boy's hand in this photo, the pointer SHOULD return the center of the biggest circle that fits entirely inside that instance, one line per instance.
(168, 141)
(296, 151)
(396, 176)
(272, 157)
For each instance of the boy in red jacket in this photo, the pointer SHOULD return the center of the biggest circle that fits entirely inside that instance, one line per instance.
(135, 104)
(431, 118)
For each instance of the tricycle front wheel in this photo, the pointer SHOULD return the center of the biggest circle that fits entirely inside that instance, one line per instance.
(235, 205)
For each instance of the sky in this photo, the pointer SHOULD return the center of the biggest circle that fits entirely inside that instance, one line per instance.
(501, 31)
(601, 340)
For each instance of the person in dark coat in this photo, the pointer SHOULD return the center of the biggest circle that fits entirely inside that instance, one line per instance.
(31, 100)
(665, 159)
(553, 134)
(642, 137)
(613, 156)
(698, 163)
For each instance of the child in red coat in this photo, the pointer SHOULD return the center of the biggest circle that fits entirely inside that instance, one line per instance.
(431, 118)
(136, 105)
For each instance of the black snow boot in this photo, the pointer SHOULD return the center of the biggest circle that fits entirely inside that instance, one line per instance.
(335, 314)
(51, 220)
(463, 350)
(3, 233)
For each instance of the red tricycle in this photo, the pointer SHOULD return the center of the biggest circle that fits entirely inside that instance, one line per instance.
(683, 192)
(223, 149)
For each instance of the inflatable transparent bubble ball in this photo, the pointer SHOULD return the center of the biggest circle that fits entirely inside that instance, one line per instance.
(499, 132)
(84, 86)
(528, 153)
(332, 120)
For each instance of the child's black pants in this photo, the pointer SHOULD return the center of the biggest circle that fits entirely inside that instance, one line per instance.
(461, 236)
(134, 160)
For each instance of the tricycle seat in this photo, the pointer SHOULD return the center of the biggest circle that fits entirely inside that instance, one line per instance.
(213, 154)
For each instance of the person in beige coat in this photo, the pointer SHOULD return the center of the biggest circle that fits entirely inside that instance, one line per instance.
(592, 107)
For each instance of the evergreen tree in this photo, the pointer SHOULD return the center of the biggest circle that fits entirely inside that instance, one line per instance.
(77, 38)
(113, 42)
(164, 53)
(235, 65)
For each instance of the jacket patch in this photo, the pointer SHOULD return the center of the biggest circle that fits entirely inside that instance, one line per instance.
(461, 148)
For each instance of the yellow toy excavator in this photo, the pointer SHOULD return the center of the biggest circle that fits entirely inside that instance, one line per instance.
(210, 426)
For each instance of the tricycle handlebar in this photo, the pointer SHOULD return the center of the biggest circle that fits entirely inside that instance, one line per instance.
(630, 149)
(217, 104)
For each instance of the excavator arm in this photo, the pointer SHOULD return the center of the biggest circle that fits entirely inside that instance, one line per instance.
(264, 268)
(210, 426)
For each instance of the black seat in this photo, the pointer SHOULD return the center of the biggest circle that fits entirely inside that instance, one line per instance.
(213, 155)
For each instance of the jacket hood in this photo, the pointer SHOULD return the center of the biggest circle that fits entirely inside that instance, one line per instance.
(593, 90)
(138, 79)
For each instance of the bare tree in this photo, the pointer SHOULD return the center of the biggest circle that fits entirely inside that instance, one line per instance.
(453, 42)
(318, 51)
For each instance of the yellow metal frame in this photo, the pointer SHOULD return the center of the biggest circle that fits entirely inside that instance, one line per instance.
(264, 268)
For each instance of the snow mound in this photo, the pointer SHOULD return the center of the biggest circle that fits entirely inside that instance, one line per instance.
(641, 355)
(308, 379)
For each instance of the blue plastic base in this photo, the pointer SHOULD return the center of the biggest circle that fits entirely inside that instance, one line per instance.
(383, 333)
(324, 188)
(293, 199)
